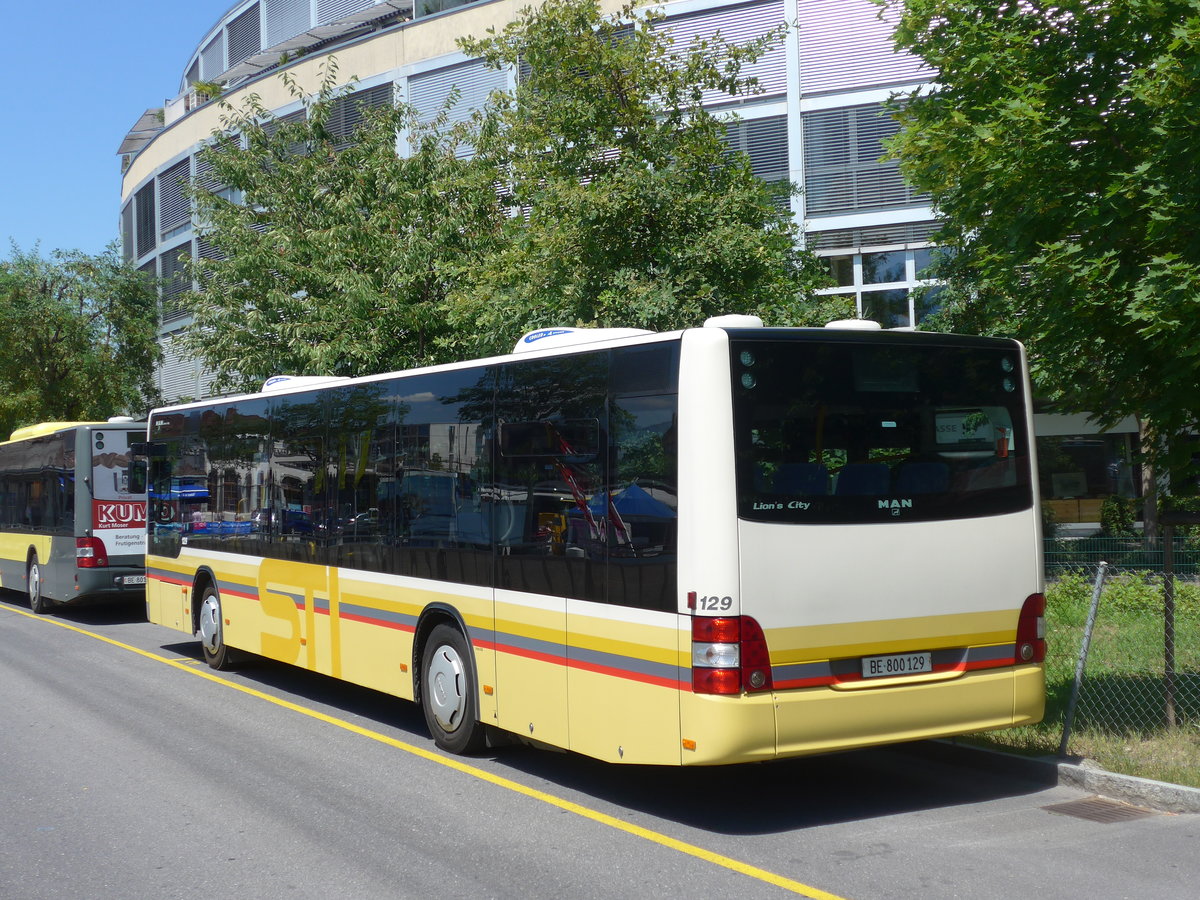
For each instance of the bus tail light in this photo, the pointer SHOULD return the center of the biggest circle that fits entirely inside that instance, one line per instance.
(756, 661)
(729, 655)
(90, 553)
(1031, 630)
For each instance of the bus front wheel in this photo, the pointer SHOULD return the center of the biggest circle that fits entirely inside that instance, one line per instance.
(448, 692)
(38, 601)
(212, 631)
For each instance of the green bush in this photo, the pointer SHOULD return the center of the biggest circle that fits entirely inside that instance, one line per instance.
(1067, 600)
(1069, 597)
(1117, 517)
(1138, 592)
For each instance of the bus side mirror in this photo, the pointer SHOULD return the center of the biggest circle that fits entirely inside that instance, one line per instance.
(148, 449)
(137, 476)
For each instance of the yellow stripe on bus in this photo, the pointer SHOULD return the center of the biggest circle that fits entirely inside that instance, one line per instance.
(16, 546)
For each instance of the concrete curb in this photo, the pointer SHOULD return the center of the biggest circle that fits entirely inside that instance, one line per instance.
(1087, 776)
(1072, 772)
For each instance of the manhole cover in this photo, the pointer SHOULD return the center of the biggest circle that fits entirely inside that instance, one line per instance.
(1099, 809)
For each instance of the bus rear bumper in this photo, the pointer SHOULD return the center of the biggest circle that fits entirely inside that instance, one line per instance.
(823, 720)
(109, 583)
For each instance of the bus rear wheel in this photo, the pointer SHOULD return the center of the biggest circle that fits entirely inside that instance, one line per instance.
(38, 602)
(212, 631)
(448, 692)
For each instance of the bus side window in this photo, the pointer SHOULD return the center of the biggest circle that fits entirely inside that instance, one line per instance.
(552, 514)
(642, 501)
(442, 465)
(299, 475)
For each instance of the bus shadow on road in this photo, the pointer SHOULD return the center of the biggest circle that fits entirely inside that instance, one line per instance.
(100, 612)
(783, 795)
(340, 699)
(748, 799)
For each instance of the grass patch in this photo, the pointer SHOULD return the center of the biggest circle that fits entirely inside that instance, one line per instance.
(1120, 718)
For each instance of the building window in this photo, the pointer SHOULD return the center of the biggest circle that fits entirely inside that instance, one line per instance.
(172, 269)
(127, 231)
(174, 208)
(885, 268)
(888, 286)
(243, 35)
(286, 19)
(429, 92)
(844, 165)
(765, 142)
(145, 225)
(1077, 472)
(346, 115)
(737, 24)
(332, 10)
(212, 58)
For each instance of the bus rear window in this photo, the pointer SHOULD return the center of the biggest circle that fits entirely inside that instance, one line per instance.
(871, 431)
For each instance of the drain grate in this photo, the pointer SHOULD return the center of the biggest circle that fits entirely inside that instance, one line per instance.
(1099, 809)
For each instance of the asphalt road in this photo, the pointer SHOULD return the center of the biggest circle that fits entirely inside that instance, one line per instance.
(129, 770)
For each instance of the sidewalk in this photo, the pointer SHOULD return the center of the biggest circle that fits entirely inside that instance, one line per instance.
(1073, 772)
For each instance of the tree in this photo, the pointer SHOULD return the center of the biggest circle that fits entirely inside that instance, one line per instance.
(1059, 148)
(333, 254)
(628, 207)
(79, 337)
(599, 192)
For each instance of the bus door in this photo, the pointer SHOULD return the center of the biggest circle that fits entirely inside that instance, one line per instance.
(534, 575)
(623, 677)
(549, 463)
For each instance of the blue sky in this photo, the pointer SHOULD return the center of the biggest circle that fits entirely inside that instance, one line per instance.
(74, 77)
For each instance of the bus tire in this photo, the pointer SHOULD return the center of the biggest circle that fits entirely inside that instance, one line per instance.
(448, 692)
(38, 602)
(211, 629)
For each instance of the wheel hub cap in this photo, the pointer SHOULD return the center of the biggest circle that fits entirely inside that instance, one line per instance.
(447, 688)
(210, 625)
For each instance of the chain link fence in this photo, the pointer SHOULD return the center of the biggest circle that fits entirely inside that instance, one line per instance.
(1123, 660)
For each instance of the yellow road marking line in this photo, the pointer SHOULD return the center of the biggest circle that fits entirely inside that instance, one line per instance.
(185, 665)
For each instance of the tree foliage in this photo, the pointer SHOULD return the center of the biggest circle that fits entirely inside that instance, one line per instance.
(333, 254)
(1059, 147)
(630, 208)
(599, 192)
(79, 337)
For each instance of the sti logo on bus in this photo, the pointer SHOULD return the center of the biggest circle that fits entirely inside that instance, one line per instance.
(895, 505)
(109, 514)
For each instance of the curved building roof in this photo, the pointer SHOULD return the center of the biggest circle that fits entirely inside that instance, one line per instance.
(253, 35)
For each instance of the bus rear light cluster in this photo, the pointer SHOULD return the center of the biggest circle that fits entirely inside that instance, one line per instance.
(729, 656)
(90, 553)
(1031, 630)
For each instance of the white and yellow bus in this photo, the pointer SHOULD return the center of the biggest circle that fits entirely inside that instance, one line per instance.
(72, 526)
(726, 544)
